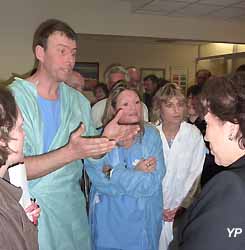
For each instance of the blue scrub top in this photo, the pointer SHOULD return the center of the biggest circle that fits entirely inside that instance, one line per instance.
(126, 209)
(50, 112)
(120, 217)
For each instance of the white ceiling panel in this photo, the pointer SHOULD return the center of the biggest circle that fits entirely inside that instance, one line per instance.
(220, 2)
(148, 12)
(240, 4)
(196, 10)
(183, 1)
(238, 19)
(217, 9)
(166, 6)
(229, 12)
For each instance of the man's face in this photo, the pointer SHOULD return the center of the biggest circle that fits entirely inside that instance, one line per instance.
(114, 78)
(202, 77)
(192, 103)
(59, 57)
(134, 76)
(99, 94)
(149, 86)
(79, 83)
(76, 81)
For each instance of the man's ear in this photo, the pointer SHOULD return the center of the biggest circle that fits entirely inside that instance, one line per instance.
(39, 52)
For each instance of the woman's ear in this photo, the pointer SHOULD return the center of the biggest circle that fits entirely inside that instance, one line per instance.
(232, 130)
(236, 130)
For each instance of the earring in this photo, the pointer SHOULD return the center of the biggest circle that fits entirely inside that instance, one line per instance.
(230, 137)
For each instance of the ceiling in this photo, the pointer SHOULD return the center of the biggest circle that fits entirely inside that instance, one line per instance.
(231, 10)
(228, 10)
(137, 40)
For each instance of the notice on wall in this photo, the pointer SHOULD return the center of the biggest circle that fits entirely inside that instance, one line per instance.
(179, 75)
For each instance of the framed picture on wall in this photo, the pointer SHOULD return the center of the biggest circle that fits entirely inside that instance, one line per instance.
(179, 75)
(158, 72)
(90, 71)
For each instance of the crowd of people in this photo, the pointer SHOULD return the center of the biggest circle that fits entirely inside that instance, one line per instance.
(167, 171)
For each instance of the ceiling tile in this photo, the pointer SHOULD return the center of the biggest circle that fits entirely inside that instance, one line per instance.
(229, 12)
(238, 19)
(183, 1)
(240, 4)
(196, 10)
(165, 6)
(219, 2)
(148, 12)
(215, 9)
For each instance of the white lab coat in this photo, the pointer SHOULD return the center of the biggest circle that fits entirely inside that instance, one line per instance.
(184, 162)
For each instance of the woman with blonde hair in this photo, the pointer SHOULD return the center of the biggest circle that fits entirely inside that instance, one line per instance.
(126, 196)
(184, 152)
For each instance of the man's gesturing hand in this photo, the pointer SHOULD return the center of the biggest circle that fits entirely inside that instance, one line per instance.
(81, 147)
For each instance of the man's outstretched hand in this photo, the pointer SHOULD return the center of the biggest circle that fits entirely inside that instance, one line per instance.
(80, 147)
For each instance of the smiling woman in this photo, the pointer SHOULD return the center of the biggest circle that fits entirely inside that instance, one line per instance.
(126, 195)
(212, 221)
(128, 100)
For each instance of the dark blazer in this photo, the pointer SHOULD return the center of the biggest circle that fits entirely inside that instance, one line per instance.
(216, 220)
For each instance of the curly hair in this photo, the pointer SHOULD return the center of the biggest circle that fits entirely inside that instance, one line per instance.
(8, 118)
(225, 98)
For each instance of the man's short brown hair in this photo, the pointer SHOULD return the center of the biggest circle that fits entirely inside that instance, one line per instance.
(49, 27)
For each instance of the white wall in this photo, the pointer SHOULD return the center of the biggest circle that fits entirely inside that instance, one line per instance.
(139, 55)
(20, 18)
(215, 49)
(222, 65)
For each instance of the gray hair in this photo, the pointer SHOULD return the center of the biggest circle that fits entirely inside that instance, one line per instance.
(116, 69)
